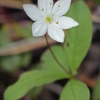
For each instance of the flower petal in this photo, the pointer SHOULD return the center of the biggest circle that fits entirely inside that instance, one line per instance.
(49, 6)
(39, 28)
(42, 6)
(61, 7)
(33, 12)
(56, 33)
(45, 6)
(65, 22)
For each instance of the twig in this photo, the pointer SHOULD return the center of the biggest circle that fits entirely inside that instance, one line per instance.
(11, 4)
(24, 46)
(58, 89)
(91, 83)
(96, 18)
(14, 3)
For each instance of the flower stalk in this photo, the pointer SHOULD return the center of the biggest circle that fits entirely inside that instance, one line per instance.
(60, 65)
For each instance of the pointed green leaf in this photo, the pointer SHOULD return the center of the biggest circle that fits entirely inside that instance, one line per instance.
(75, 90)
(96, 91)
(49, 62)
(30, 80)
(78, 39)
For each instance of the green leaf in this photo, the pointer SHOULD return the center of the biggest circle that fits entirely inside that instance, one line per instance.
(96, 91)
(97, 1)
(26, 58)
(10, 63)
(78, 39)
(49, 62)
(24, 29)
(4, 39)
(75, 90)
(29, 80)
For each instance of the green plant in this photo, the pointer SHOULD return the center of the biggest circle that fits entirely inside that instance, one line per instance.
(68, 58)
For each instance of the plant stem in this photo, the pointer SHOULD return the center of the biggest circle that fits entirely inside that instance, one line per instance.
(61, 66)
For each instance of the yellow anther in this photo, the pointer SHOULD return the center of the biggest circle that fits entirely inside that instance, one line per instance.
(50, 3)
(56, 22)
(42, 9)
(58, 5)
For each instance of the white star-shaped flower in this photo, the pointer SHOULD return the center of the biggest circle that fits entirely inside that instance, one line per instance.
(49, 18)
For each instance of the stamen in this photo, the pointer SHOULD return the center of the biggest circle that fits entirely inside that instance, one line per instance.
(58, 5)
(56, 22)
(50, 3)
(42, 9)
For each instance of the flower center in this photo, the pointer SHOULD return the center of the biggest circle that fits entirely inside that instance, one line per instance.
(48, 19)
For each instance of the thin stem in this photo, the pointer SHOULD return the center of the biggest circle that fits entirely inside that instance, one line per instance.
(61, 66)
(99, 63)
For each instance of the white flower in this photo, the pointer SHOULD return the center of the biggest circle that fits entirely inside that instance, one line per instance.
(49, 18)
